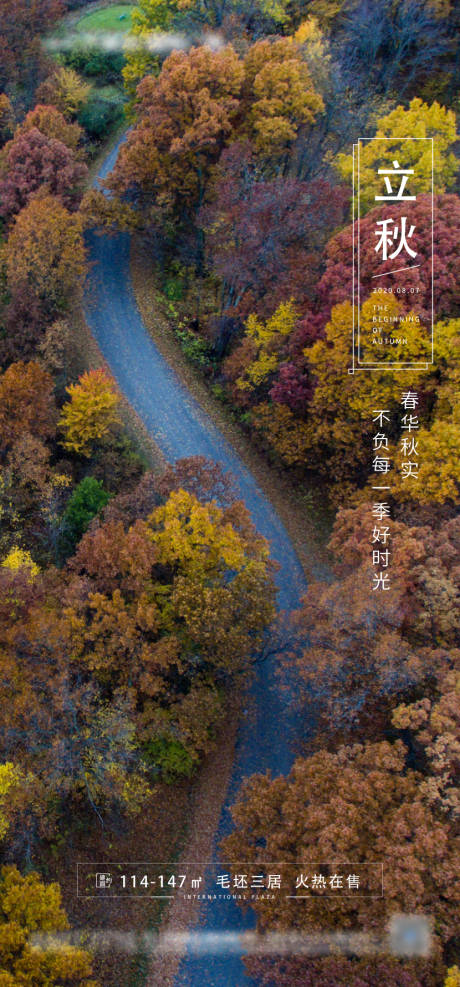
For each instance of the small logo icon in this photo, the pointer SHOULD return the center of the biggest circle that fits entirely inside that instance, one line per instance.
(103, 881)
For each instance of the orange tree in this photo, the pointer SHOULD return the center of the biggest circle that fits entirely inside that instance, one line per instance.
(368, 650)
(26, 403)
(185, 117)
(123, 661)
(52, 123)
(171, 609)
(45, 255)
(362, 803)
(201, 101)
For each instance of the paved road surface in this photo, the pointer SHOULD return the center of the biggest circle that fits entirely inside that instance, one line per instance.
(181, 428)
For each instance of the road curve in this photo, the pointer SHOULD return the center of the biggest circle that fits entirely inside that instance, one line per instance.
(180, 428)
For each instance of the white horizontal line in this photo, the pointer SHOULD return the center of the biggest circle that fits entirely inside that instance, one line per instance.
(398, 271)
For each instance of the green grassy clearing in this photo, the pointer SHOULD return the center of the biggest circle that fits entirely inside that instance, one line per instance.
(115, 17)
(112, 18)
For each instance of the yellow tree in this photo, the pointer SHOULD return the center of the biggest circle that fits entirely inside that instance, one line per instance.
(342, 408)
(10, 779)
(213, 13)
(148, 17)
(90, 413)
(437, 478)
(267, 338)
(293, 440)
(280, 94)
(66, 90)
(18, 558)
(419, 120)
(316, 51)
(325, 12)
(28, 907)
(447, 361)
(45, 254)
(224, 617)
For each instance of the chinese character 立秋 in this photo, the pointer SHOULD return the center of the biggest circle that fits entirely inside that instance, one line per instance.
(388, 237)
(391, 196)
(409, 447)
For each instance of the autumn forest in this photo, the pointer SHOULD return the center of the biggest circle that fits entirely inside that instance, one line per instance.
(191, 540)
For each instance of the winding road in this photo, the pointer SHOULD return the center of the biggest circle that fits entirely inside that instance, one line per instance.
(180, 428)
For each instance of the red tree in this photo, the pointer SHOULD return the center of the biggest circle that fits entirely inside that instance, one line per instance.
(20, 49)
(293, 387)
(336, 284)
(265, 237)
(34, 162)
